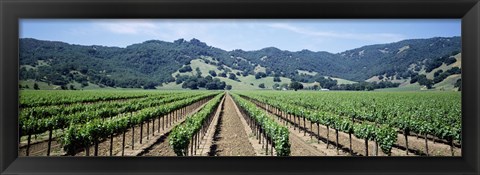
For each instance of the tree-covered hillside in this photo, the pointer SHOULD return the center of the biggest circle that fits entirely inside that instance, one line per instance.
(153, 63)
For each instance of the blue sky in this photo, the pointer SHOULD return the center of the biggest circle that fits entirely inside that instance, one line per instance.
(330, 35)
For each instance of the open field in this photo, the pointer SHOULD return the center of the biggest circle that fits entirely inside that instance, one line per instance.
(215, 123)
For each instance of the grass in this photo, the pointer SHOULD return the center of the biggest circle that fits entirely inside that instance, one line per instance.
(409, 87)
(313, 73)
(448, 83)
(343, 81)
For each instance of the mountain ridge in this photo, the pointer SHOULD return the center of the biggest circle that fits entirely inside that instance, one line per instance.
(154, 61)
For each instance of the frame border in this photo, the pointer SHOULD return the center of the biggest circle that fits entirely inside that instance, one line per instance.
(11, 11)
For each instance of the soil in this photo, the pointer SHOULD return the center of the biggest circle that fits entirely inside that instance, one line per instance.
(230, 138)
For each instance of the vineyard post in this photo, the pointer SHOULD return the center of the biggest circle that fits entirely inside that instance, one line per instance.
(328, 136)
(299, 124)
(271, 141)
(153, 127)
(450, 139)
(304, 127)
(376, 141)
(158, 124)
(169, 119)
(141, 132)
(260, 136)
(257, 132)
(366, 146)
(426, 144)
(294, 122)
(318, 133)
(311, 130)
(87, 150)
(350, 138)
(28, 144)
(405, 133)
(336, 138)
(265, 141)
(133, 137)
(111, 144)
(49, 141)
(195, 144)
(133, 132)
(96, 147)
(191, 146)
(163, 122)
(148, 129)
(123, 143)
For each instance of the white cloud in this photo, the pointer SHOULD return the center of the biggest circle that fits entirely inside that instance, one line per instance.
(130, 27)
(378, 37)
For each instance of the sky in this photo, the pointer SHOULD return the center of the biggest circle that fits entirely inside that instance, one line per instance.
(331, 35)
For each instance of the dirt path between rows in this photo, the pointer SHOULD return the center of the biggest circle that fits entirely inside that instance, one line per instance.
(230, 138)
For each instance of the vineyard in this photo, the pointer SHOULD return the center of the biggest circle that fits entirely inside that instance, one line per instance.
(213, 123)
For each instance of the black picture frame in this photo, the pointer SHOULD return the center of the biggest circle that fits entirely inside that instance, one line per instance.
(11, 11)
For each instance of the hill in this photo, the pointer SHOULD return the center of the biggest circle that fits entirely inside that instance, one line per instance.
(157, 63)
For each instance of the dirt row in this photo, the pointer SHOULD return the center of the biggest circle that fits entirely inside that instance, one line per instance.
(230, 138)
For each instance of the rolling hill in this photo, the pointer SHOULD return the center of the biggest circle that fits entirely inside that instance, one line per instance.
(160, 64)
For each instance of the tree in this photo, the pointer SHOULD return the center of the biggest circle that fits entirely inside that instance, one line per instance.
(261, 85)
(296, 85)
(223, 74)
(191, 84)
(228, 87)
(260, 75)
(185, 69)
(199, 73)
(232, 76)
(276, 86)
(35, 86)
(212, 73)
(202, 82)
(149, 85)
(211, 86)
(277, 79)
(458, 84)
(72, 87)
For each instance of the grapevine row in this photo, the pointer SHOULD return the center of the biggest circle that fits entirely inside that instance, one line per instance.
(37, 124)
(383, 135)
(276, 134)
(46, 98)
(84, 135)
(435, 114)
(189, 133)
